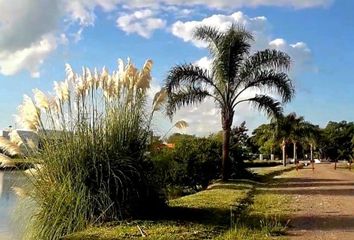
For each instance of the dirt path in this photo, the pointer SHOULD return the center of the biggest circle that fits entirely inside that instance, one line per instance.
(324, 200)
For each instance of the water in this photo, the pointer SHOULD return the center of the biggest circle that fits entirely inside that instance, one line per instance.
(9, 228)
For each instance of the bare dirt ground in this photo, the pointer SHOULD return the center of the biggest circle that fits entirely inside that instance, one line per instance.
(324, 202)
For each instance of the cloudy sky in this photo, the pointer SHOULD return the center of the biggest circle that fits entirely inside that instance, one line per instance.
(37, 37)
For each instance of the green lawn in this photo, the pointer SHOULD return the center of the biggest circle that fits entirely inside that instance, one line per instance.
(265, 219)
(266, 174)
(206, 215)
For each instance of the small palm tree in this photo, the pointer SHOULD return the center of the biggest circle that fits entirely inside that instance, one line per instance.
(294, 129)
(234, 71)
(311, 136)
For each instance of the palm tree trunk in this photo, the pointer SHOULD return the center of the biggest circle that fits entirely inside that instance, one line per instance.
(295, 160)
(271, 154)
(284, 152)
(311, 157)
(225, 162)
(227, 116)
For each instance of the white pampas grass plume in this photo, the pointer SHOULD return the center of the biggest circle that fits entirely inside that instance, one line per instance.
(62, 90)
(65, 90)
(109, 90)
(9, 148)
(104, 77)
(33, 171)
(96, 78)
(121, 66)
(70, 74)
(31, 144)
(181, 124)
(89, 78)
(41, 99)
(131, 75)
(53, 104)
(6, 161)
(15, 138)
(20, 192)
(29, 114)
(159, 99)
(145, 76)
(81, 87)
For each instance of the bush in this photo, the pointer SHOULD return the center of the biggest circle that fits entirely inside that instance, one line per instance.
(193, 163)
(94, 166)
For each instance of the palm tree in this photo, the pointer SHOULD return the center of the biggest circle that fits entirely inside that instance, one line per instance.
(294, 129)
(312, 138)
(234, 71)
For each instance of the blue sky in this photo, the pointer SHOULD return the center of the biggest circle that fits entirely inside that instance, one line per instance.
(317, 34)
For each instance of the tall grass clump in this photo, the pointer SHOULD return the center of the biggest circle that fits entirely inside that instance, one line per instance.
(94, 131)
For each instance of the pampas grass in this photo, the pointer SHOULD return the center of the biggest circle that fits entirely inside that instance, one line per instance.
(29, 114)
(10, 148)
(94, 133)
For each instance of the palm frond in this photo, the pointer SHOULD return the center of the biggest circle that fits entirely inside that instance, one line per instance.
(235, 44)
(271, 106)
(266, 59)
(187, 74)
(274, 81)
(210, 35)
(184, 97)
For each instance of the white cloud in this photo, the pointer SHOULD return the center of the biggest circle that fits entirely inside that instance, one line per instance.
(258, 26)
(231, 4)
(27, 58)
(27, 34)
(141, 22)
(25, 24)
(83, 10)
(299, 52)
(204, 62)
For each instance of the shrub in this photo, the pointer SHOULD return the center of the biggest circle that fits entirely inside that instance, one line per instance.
(193, 163)
(94, 166)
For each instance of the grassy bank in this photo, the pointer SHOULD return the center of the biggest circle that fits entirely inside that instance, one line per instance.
(266, 218)
(266, 174)
(203, 215)
(206, 215)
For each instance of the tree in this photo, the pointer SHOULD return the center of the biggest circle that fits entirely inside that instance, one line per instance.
(234, 71)
(289, 128)
(311, 136)
(239, 150)
(337, 140)
(265, 138)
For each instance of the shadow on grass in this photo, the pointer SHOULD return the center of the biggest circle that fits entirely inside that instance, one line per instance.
(208, 216)
(269, 176)
(228, 186)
